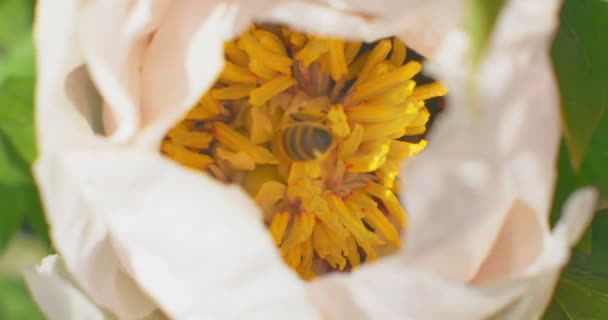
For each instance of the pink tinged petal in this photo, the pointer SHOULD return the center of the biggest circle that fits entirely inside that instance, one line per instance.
(181, 62)
(541, 276)
(57, 295)
(480, 196)
(490, 149)
(113, 35)
(519, 243)
(197, 248)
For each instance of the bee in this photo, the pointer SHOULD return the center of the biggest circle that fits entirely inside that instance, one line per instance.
(305, 141)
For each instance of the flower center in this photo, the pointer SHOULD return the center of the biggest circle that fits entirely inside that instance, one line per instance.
(315, 130)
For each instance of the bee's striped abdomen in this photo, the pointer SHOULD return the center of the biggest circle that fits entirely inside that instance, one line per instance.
(305, 141)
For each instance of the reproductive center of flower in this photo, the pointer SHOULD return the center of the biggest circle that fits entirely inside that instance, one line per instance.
(315, 130)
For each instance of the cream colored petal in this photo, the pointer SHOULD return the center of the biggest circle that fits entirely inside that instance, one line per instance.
(57, 295)
(388, 291)
(66, 106)
(421, 24)
(198, 249)
(541, 276)
(58, 120)
(181, 62)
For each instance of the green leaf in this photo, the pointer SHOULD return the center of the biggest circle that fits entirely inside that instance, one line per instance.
(18, 60)
(582, 292)
(15, 300)
(16, 17)
(583, 295)
(579, 55)
(18, 193)
(16, 116)
(482, 16)
(16, 49)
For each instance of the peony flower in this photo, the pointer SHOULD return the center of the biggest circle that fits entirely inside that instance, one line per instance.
(141, 236)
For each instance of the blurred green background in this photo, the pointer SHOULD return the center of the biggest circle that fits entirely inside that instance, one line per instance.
(580, 55)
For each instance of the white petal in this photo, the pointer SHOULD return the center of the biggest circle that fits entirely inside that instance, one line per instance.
(490, 149)
(198, 249)
(57, 295)
(113, 55)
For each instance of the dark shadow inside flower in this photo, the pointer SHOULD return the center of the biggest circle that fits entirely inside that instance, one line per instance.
(82, 92)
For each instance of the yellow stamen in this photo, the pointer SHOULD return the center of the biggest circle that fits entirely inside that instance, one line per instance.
(261, 95)
(375, 86)
(395, 95)
(233, 92)
(186, 157)
(357, 65)
(369, 161)
(261, 127)
(233, 73)
(206, 108)
(270, 193)
(337, 119)
(312, 51)
(353, 252)
(293, 256)
(237, 160)
(388, 173)
(325, 246)
(351, 143)
(365, 238)
(317, 145)
(358, 201)
(278, 226)
(428, 91)
(268, 58)
(305, 267)
(270, 41)
(301, 230)
(337, 59)
(235, 54)
(379, 130)
(351, 49)
(235, 141)
(184, 136)
(401, 150)
(399, 52)
(258, 68)
(389, 200)
(377, 55)
(378, 113)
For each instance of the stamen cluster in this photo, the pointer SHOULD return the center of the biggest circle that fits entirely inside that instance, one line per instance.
(338, 208)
